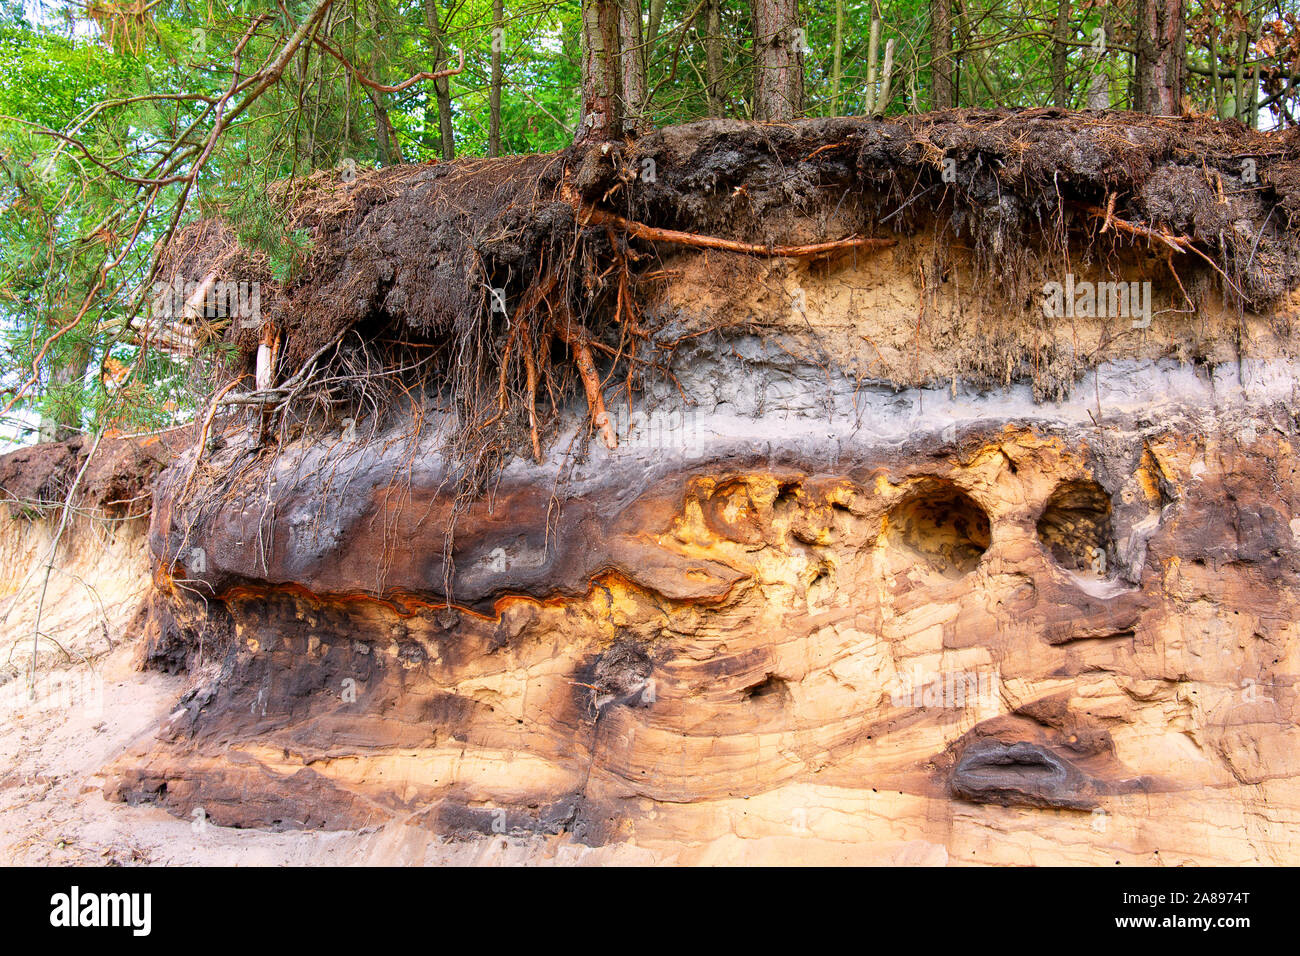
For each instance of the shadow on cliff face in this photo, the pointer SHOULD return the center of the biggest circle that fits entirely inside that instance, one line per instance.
(1075, 527)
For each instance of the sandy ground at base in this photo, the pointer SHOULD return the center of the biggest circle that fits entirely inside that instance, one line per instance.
(53, 812)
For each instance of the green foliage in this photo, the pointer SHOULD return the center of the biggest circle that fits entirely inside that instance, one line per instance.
(260, 226)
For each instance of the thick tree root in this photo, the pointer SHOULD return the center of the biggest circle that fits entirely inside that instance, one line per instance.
(575, 337)
(590, 216)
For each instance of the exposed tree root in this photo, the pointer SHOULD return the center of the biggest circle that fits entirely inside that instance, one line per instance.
(589, 215)
(575, 337)
(1172, 242)
(530, 367)
(203, 433)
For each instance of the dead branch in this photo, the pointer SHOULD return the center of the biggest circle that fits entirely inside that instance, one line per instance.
(380, 87)
(49, 566)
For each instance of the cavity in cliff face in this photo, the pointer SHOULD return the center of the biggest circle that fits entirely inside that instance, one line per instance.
(911, 491)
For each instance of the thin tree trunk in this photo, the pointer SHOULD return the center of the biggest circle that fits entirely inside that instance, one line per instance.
(1239, 70)
(1099, 89)
(942, 68)
(1099, 82)
(1254, 91)
(837, 58)
(1216, 80)
(873, 56)
(1256, 25)
(390, 151)
(778, 61)
(713, 56)
(968, 66)
(1061, 55)
(601, 117)
(652, 27)
(886, 80)
(655, 17)
(494, 91)
(632, 61)
(442, 85)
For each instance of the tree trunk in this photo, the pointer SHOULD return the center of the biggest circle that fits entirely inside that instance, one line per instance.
(1239, 71)
(1256, 25)
(632, 61)
(494, 91)
(1061, 55)
(713, 56)
(1099, 82)
(837, 58)
(652, 28)
(884, 92)
(1254, 96)
(390, 151)
(1216, 81)
(1158, 72)
(778, 61)
(942, 70)
(601, 99)
(969, 70)
(873, 57)
(441, 86)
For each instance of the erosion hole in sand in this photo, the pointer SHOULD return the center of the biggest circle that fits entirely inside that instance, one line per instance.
(1075, 527)
(771, 686)
(940, 526)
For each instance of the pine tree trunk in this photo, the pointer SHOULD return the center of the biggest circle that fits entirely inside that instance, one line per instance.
(873, 58)
(942, 68)
(601, 99)
(1158, 79)
(652, 27)
(390, 151)
(778, 61)
(632, 62)
(837, 58)
(713, 56)
(441, 86)
(1061, 55)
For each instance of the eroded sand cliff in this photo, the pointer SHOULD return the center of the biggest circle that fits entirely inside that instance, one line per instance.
(886, 565)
